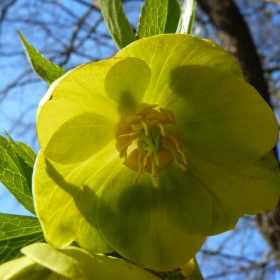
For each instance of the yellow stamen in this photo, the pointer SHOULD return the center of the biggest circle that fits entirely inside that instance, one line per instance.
(173, 152)
(140, 166)
(149, 142)
(147, 156)
(145, 126)
(154, 172)
(177, 148)
(161, 129)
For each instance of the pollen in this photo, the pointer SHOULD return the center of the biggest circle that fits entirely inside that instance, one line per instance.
(146, 143)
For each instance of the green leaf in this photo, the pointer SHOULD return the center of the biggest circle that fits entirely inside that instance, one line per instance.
(192, 19)
(17, 232)
(158, 17)
(44, 68)
(15, 173)
(186, 22)
(23, 151)
(117, 22)
(173, 16)
(153, 18)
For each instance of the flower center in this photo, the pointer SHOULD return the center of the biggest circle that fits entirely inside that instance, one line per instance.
(144, 142)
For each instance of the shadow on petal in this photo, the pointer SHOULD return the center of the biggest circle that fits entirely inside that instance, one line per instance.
(79, 138)
(225, 121)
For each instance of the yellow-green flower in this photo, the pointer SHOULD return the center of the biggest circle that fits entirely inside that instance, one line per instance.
(43, 262)
(149, 152)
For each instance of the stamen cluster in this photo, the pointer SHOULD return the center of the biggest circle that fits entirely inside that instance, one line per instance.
(144, 142)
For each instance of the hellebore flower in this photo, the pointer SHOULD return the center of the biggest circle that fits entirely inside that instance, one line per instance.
(41, 261)
(149, 152)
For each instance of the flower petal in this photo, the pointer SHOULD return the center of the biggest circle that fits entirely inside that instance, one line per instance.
(23, 268)
(79, 138)
(126, 83)
(66, 198)
(158, 228)
(103, 267)
(225, 121)
(77, 264)
(165, 54)
(76, 118)
(47, 256)
(247, 190)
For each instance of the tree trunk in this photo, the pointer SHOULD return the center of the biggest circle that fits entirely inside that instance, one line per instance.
(236, 39)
